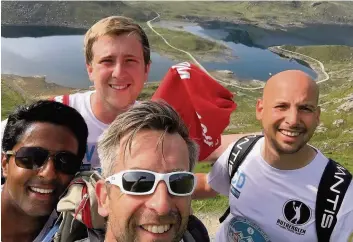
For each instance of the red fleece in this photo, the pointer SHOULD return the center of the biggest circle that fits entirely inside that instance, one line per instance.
(204, 104)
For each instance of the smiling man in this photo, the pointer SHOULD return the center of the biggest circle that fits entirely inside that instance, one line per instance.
(43, 147)
(147, 158)
(273, 194)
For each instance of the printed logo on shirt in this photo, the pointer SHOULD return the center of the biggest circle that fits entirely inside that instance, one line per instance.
(244, 230)
(237, 183)
(90, 157)
(296, 214)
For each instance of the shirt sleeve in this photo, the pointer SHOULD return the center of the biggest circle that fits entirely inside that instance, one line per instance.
(343, 230)
(3, 125)
(218, 178)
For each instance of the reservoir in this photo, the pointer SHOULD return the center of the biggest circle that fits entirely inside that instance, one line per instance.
(57, 53)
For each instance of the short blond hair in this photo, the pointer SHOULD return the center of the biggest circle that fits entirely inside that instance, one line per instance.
(115, 25)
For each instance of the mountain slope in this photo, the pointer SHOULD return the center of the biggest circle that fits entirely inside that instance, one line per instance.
(66, 13)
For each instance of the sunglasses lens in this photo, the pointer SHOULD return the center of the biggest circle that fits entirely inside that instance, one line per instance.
(67, 162)
(181, 183)
(137, 181)
(30, 157)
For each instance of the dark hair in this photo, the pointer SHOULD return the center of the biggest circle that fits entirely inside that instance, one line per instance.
(49, 112)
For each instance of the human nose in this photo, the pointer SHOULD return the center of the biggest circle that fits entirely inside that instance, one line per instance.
(118, 69)
(160, 200)
(48, 170)
(292, 116)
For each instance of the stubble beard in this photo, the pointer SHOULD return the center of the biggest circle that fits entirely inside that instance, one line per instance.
(130, 236)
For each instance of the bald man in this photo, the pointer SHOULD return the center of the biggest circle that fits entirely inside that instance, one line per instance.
(272, 196)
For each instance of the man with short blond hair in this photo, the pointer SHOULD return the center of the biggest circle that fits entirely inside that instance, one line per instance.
(117, 55)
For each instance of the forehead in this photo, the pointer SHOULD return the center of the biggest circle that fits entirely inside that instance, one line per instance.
(148, 152)
(301, 92)
(49, 136)
(123, 44)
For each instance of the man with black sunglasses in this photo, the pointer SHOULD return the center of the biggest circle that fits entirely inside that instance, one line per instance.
(147, 157)
(43, 147)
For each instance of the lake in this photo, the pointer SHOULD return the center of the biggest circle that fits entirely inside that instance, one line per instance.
(60, 56)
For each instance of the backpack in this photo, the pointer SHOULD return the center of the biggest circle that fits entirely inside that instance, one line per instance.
(332, 188)
(79, 219)
(78, 210)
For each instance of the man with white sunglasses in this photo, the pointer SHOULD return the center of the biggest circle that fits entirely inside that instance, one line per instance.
(146, 158)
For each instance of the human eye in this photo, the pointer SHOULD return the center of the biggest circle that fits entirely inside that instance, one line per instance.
(106, 61)
(131, 60)
(307, 109)
(281, 106)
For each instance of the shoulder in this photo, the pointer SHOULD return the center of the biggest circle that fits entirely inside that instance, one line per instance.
(73, 99)
(347, 204)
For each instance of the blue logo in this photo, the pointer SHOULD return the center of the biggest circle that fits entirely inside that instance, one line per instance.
(90, 152)
(244, 230)
(237, 183)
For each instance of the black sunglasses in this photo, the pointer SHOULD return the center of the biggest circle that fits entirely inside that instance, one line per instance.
(35, 157)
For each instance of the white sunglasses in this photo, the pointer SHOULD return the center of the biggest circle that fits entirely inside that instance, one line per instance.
(144, 182)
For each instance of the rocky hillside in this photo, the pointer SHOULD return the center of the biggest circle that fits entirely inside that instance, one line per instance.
(81, 14)
(264, 13)
(75, 14)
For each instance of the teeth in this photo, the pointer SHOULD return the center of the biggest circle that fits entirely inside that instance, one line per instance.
(118, 87)
(40, 190)
(288, 133)
(157, 229)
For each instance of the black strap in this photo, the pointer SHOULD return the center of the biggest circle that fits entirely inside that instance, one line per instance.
(239, 151)
(332, 188)
(197, 229)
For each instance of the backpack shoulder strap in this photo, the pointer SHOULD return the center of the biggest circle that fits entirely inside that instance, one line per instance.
(239, 151)
(197, 230)
(332, 188)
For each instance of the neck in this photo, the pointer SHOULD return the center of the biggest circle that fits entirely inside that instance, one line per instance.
(293, 161)
(102, 110)
(16, 225)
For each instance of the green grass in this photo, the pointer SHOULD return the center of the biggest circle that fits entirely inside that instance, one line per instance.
(9, 100)
(325, 53)
(218, 204)
(259, 12)
(182, 40)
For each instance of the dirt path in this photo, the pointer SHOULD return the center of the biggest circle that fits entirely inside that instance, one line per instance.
(149, 24)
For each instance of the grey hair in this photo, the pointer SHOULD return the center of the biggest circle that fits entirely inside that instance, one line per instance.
(146, 115)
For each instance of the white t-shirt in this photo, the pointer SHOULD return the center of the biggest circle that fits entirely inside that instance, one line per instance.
(81, 102)
(268, 204)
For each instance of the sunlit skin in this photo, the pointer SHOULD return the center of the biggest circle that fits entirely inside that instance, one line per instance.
(289, 114)
(23, 211)
(118, 72)
(128, 214)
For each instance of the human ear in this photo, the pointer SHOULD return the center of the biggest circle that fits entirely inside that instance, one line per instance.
(102, 198)
(4, 164)
(259, 109)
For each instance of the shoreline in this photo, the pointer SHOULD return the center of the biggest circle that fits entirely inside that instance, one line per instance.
(314, 64)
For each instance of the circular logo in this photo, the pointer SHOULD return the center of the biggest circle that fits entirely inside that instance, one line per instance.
(244, 229)
(296, 212)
